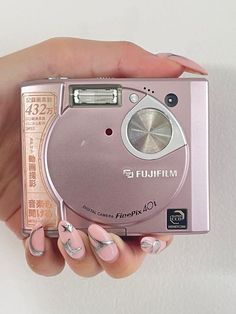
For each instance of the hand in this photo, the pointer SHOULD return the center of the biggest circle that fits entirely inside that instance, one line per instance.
(72, 58)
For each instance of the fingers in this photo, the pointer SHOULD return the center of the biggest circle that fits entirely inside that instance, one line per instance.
(102, 250)
(122, 258)
(14, 223)
(75, 248)
(42, 254)
(47, 256)
(156, 243)
(87, 58)
(189, 65)
(118, 258)
(88, 255)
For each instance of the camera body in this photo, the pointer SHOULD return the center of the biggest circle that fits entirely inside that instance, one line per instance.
(130, 154)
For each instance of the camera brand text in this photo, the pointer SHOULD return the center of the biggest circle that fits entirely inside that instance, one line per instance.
(159, 173)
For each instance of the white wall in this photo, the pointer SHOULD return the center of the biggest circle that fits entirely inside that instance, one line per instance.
(197, 274)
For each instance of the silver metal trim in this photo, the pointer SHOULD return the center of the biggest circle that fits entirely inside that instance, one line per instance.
(70, 250)
(200, 158)
(177, 140)
(99, 244)
(153, 246)
(33, 251)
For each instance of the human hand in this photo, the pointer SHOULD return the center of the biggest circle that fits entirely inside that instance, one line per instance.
(72, 58)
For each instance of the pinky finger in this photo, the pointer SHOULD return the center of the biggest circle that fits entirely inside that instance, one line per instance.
(154, 244)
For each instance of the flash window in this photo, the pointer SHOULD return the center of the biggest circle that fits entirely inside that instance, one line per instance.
(95, 95)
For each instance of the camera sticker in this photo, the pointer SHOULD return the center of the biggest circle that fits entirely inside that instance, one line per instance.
(177, 218)
(38, 112)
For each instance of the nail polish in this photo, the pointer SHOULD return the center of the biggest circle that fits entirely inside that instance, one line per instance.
(71, 239)
(151, 245)
(190, 65)
(103, 244)
(36, 240)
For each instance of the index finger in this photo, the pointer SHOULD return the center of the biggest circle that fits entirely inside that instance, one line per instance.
(75, 58)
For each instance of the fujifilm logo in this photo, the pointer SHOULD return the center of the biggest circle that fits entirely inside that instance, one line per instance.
(159, 173)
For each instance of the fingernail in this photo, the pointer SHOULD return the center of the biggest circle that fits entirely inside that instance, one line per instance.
(104, 246)
(190, 65)
(36, 240)
(151, 245)
(71, 240)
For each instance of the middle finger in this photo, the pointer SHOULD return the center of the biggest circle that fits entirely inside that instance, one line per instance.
(74, 246)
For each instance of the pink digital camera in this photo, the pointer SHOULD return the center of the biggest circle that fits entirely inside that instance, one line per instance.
(130, 154)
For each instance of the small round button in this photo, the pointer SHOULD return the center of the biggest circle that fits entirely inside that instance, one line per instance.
(149, 130)
(134, 98)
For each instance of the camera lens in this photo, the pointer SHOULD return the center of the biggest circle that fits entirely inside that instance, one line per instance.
(171, 100)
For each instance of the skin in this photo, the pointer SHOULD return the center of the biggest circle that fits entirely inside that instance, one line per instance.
(72, 58)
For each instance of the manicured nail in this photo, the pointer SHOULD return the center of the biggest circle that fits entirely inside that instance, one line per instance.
(152, 245)
(190, 66)
(104, 246)
(36, 240)
(71, 239)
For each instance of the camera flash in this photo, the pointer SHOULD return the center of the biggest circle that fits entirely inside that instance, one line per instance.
(96, 96)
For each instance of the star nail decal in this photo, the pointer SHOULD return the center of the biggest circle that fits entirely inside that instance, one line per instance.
(68, 228)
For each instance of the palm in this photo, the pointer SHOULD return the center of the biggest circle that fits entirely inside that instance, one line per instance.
(10, 162)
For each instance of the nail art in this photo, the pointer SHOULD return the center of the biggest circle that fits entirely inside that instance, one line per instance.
(36, 240)
(190, 65)
(104, 246)
(71, 239)
(152, 245)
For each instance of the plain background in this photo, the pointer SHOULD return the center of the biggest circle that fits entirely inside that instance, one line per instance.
(197, 274)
